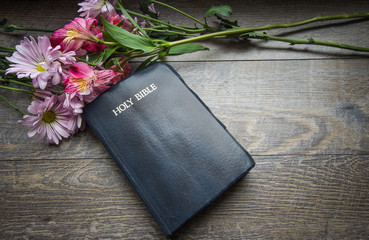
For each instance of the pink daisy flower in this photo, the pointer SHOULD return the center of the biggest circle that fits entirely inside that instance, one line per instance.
(41, 94)
(93, 8)
(75, 104)
(37, 60)
(83, 80)
(50, 118)
(80, 33)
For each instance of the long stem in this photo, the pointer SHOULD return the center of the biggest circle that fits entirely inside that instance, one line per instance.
(7, 49)
(15, 89)
(14, 27)
(179, 11)
(156, 51)
(12, 105)
(182, 28)
(16, 82)
(306, 41)
(168, 31)
(111, 44)
(4, 60)
(239, 31)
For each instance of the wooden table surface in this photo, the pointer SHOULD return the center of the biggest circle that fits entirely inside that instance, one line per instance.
(301, 111)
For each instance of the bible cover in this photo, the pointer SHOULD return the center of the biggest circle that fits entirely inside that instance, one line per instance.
(172, 149)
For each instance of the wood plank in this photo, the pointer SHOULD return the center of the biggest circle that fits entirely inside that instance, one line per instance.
(283, 197)
(271, 107)
(248, 13)
(302, 112)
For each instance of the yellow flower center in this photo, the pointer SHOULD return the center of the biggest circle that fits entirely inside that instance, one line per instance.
(82, 83)
(39, 68)
(48, 116)
(71, 34)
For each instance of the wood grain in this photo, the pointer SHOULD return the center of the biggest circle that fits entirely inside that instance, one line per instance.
(301, 111)
(36, 13)
(293, 196)
(271, 107)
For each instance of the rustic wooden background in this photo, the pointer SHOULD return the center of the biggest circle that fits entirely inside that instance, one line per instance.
(301, 111)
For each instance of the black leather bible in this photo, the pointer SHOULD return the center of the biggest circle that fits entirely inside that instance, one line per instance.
(177, 155)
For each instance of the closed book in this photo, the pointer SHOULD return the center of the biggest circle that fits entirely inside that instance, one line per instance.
(176, 154)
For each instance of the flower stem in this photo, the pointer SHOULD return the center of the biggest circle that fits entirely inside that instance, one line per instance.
(4, 60)
(238, 31)
(168, 31)
(15, 89)
(12, 105)
(305, 41)
(99, 41)
(7, 49)
(16, 82)
(179, 11)
(182, 28)
(11, 28)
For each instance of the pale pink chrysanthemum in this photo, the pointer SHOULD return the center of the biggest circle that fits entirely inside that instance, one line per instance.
(93, 8)
(67, 57)
(74, 103)
(83, 80)
(41, 94)
(49, 118)
(37, 60)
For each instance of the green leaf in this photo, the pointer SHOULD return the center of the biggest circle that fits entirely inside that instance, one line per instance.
(128, 39)
(164, 35)
(223, 10)
(186, 48)
(107, 37)
(226, 24)
(124, 11)
(113, 61)
(108, 52)
(96, 58)
(147, 62)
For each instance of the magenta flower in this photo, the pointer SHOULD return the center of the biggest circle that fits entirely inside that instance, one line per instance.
(93, 8)
(37, 60)
(127, 25)
(50, 118)
(83, 80)
(80, 33)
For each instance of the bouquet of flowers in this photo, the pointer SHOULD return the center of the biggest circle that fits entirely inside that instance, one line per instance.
(67, 70)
